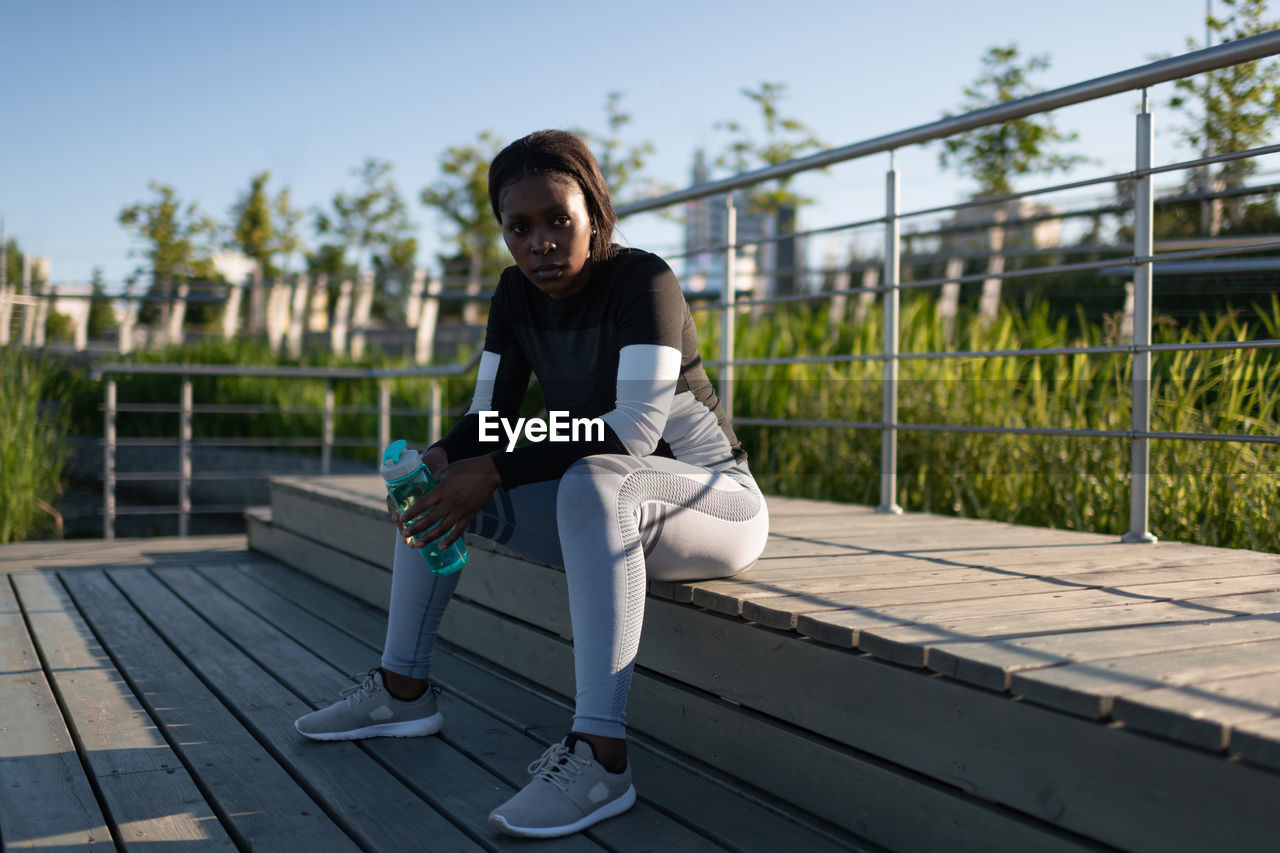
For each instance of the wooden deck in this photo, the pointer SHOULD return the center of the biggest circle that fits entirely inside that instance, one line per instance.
(149, 689)
(916, 682)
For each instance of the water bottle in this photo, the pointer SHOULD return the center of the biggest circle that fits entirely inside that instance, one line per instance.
(407, 480)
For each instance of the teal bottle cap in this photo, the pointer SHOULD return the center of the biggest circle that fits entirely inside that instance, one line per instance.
(397, 461)
(391, 455)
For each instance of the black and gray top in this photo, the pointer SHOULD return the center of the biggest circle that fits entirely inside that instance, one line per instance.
(623, 349)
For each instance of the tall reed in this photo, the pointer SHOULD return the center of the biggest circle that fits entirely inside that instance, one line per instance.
(1217, 493)
(33, 448)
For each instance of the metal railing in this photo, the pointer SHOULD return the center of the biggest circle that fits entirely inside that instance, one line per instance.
(1140, 350)
(889, 289)
(186, 409)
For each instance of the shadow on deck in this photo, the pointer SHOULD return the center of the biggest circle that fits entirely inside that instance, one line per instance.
(918, 681)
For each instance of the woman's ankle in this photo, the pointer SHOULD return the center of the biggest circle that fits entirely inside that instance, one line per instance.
(610, 752)
(403, 687)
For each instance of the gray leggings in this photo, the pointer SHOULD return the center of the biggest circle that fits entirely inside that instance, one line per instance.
(612, 522)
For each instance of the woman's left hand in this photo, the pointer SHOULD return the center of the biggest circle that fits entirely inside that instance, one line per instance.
(463, 488)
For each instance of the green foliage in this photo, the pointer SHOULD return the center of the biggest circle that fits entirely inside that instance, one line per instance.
(293, 407)
(251, 229)
(373, 219)
(58, 327)
(785, 139)
(995, 154)
(33, 448)
(1214, 493)
(622, 165)
(178, 241)
(461, 196)
(264, 228)
(101, 315)
(177, 237)
(1233, 108)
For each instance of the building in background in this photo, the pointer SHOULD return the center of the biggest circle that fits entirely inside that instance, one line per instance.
(764, 269)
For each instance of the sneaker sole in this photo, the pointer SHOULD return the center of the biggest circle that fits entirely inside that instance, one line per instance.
(608, 810)
(410, 728)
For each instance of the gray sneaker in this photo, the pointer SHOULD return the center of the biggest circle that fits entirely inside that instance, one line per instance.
(569, 791)
(368, 710)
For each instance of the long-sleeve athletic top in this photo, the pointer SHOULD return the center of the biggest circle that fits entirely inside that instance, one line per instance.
(623, 349)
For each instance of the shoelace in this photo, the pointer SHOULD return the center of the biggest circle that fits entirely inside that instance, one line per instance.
(362, 689)
(558, 766)
(367, 687)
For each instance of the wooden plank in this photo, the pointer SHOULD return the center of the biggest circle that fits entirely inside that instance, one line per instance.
(149, 794)
(340, 526)
(1258, 741)
(1100, 782)
(363, 580)
(506, 752)
(374, 807)
(855, 790)
(992, 664)
(46, 800)
(1089, 689)
(926, 602)
(468, 788)
(264, 805)
(1024, 595)
(1201, 714)
(1113, 556)
(910, 644)
(58, 554)
(536, 594)
(697, 795)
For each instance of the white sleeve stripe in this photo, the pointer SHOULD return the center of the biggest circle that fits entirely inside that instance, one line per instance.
(649, 362)
(647, 377)
(486, 373)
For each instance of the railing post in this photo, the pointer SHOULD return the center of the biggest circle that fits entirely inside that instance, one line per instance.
(730, 294)
(326, 441)
(384, 412)
(1140, 450)
(184, 460)
(436, 418)
(889, 400)
(109, 464)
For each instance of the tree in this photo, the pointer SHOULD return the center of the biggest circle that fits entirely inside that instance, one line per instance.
(995, 154)
(101, 315)
(373, 220)
(785, 139)
(178, 242)
(622, 165)
(251, 230)
(264, 228)
(461, 195)
(1230, 109)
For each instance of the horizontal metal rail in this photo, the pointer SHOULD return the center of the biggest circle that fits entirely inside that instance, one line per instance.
(186, 409)
(1246, 438)
(1134, 79)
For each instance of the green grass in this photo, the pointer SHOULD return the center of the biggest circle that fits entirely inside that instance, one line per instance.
(1209, 492)
(1216, 493)
(33, 448)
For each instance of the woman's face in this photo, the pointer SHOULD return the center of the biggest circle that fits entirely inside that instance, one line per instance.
(547, 230)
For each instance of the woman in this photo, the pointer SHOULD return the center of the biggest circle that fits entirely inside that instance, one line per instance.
(660, 489)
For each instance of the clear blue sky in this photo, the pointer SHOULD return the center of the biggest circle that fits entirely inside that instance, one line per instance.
(99, 98)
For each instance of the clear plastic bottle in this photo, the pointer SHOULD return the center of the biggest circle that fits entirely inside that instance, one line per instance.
(407, 480)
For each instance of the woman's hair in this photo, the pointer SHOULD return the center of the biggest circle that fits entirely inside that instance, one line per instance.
(558, 152)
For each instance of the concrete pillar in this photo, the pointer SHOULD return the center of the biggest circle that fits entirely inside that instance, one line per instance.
(360, 314)
(298, 315)
(428, 313)
(231, 310)
(341, 319)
